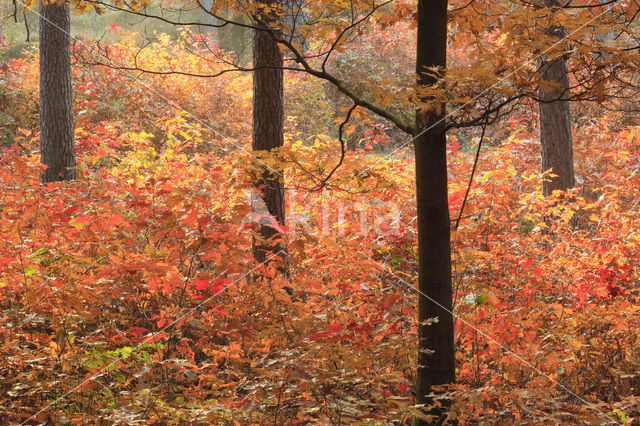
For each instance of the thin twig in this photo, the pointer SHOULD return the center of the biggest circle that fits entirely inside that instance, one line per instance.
(473, 171)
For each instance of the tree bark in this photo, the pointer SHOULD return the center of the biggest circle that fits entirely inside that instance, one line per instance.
(57, 145)
(436, 360)
(555, 120)
(268, 129)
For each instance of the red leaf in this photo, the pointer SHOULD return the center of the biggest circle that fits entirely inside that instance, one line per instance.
(201, 284)
(135, 332)
(219, 285)
(155, 338)
(333, 328)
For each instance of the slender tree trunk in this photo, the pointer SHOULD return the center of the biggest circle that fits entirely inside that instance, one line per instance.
(555, 120)
(436, 361)
(209, 19)
(239, 41)
(57, 146)
(268, 129)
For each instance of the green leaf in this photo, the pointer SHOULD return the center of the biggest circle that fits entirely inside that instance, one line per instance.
(38, 252)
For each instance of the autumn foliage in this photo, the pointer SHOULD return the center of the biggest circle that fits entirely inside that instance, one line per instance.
(130, 295)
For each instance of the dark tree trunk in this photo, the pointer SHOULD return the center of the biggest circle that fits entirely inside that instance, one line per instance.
(57, 147)
(555, 120)
(434, 251)
(268, 129)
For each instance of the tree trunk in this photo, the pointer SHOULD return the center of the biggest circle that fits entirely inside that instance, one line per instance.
(57, 146)
(239, 42)
(555, 120)
(436, 361)
(209, 19)
(268, 129)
